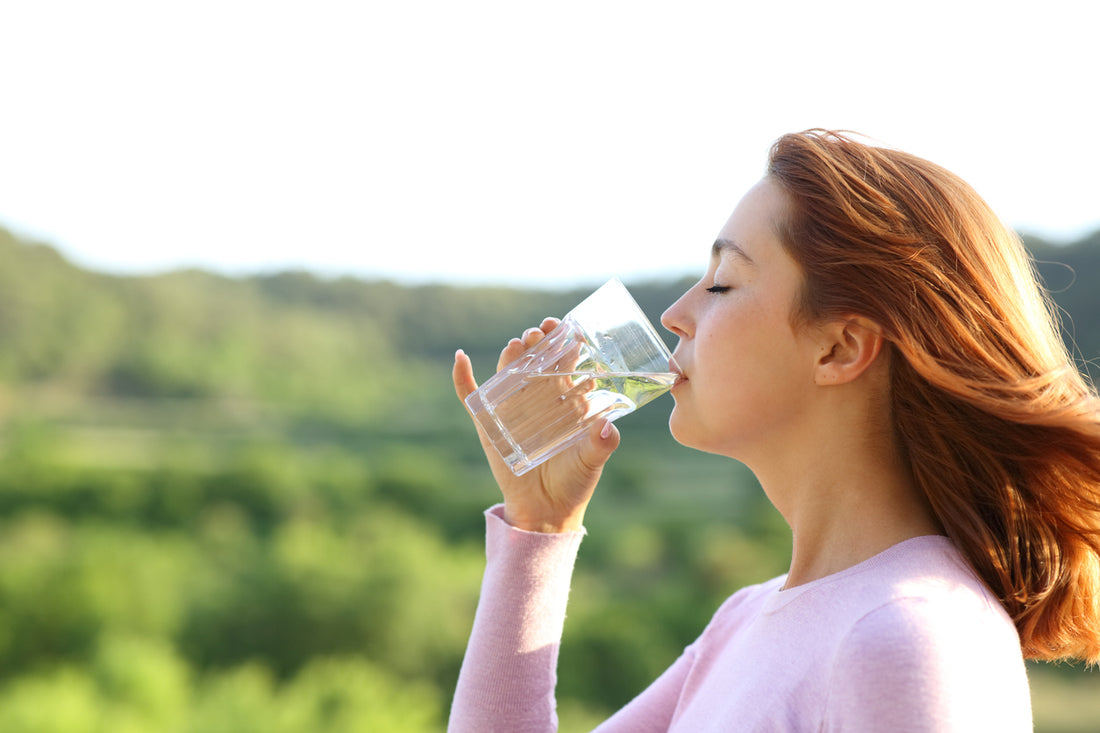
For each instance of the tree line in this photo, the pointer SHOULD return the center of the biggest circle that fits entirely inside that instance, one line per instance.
(254, 503)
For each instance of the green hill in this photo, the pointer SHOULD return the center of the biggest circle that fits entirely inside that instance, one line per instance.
(254, 503)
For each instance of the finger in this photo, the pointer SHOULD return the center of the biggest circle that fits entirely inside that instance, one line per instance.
(515, 348)
(465, 385)
(603, 439)
(463, 375)
(531, 337)
(510, 353)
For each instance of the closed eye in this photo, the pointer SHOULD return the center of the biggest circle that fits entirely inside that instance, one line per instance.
(718, 288)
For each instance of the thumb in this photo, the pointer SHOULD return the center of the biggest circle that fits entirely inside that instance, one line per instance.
(603, 439)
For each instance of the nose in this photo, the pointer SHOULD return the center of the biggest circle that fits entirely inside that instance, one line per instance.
(675, 317)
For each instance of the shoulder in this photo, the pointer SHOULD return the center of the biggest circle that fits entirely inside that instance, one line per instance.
(913, 664)
(925, 633)
(925, 612)
(935, 649)
(922, 584)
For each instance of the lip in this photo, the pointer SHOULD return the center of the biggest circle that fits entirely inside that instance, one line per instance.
(675, 369)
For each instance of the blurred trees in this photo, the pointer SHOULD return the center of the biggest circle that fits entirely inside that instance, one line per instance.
(254, 504)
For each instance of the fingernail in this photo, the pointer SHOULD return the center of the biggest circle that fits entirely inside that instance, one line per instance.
(459, 353)
(606, 431)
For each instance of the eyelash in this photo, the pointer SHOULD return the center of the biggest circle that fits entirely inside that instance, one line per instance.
(718, 289)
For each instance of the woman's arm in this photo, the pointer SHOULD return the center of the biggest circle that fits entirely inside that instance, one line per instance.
(510, 669)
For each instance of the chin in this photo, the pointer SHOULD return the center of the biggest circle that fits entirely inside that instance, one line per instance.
(680, 432)
(691, 435)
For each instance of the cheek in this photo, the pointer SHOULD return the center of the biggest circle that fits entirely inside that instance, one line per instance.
(718, 352)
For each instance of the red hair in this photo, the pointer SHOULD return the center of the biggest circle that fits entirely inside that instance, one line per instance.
(1000, 430)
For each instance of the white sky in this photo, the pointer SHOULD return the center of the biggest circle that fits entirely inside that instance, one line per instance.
(509, 141)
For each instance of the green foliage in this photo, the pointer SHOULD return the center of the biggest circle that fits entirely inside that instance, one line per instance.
(138, 685)
(255, 505)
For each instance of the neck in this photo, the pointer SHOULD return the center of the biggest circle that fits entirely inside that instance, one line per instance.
(840, 478)
(853, 533)
(847, 495)
(849, 514)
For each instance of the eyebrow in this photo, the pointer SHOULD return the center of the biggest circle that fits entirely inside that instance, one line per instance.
(721, 246)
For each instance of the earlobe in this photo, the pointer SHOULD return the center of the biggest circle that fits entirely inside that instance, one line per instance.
(851, 346)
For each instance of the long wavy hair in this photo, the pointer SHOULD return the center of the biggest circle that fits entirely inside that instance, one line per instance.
(1000, 430)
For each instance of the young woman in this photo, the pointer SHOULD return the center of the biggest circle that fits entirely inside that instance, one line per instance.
(870, 340)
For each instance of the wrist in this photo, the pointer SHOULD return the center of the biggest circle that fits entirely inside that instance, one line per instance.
(544, 524)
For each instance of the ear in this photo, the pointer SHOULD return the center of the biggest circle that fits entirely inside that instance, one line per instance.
(848, 347)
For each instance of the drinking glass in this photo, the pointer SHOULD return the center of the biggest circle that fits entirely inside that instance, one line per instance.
(604, 360)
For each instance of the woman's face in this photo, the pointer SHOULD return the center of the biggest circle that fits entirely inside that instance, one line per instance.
(747, 369)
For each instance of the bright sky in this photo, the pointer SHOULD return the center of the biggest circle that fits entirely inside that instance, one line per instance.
(509, 141)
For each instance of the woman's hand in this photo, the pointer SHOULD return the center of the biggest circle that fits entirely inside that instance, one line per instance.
(553, 496)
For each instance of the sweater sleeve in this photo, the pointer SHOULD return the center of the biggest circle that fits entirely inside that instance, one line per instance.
(509, 672)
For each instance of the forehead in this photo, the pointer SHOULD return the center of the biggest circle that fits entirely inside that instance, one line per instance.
(728, 247)
(751, 230)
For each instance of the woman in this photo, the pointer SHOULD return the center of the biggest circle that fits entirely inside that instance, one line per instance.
(871, 341)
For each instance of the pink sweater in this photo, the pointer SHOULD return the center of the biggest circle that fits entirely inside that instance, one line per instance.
(909, 640)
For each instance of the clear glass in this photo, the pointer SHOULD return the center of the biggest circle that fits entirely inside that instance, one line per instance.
(604, 360)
